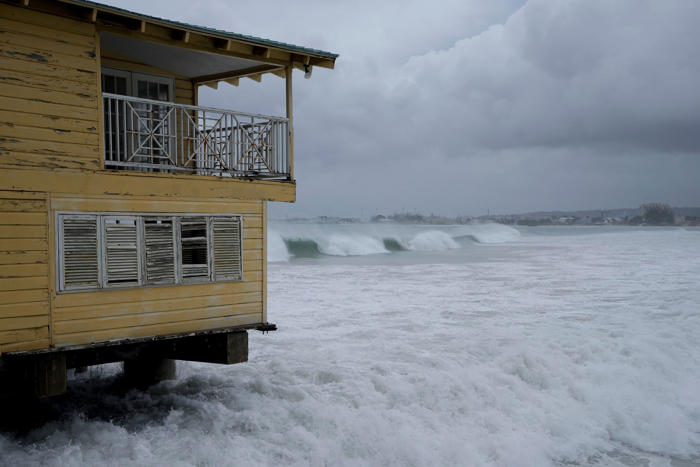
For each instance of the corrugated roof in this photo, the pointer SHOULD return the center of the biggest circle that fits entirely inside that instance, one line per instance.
(206, 30)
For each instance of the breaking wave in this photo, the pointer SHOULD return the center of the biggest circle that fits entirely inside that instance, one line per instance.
(288, 240)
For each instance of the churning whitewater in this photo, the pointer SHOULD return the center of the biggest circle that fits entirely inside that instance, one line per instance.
(424, 346)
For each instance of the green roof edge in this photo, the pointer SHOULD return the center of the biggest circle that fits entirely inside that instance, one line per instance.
(219, 32)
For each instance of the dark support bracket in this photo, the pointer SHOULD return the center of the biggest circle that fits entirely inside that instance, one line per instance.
(146, 362)
(224, 349)
(267, 327)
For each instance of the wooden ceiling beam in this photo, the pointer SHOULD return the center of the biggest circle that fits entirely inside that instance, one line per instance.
(255, 72)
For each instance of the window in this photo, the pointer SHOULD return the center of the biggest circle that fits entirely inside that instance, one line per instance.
(138, 132)
(121, 255)
(79, 260)
(160, 250)
(109, 251)
(194, 248)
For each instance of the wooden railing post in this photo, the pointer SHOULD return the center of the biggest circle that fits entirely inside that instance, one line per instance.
(290, 121)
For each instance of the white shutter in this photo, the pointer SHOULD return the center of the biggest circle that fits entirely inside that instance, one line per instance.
(121, 251)
(194, 251)
(160, 251)
(226, 232)
(80, 258)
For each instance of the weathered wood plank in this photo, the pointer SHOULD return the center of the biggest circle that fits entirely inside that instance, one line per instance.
(250, 267)
(184, 93)
(18, 131)
(63, 340)
(24, 160)
(22, 231)
(153, 306)
(46, 84)
(34, 55)
(22, 218)
(38, 106)
(80, 75)
(46, 20)
(29, 145)
(147, 319)
(145, 294)
(19, 91)
(22, 335)
(253, 232)
(24, 283)
(24, 244)
(248, 208)
(252, 222)
(252, 244)
(23, 270)
(252, 255)
(56, 124)
(23, 296)
(10, 203)
(184, 85)
(9, 39)
(24, 309)
(25, 346)
(118, 183)
(53, 33)
(22, 257)
(10, 194)
(10, 324)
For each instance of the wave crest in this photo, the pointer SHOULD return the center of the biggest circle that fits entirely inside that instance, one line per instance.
(314, 240)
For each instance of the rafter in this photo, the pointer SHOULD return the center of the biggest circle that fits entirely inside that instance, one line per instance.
(246, 72)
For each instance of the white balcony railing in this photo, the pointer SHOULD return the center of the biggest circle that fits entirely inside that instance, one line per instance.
(155, 136)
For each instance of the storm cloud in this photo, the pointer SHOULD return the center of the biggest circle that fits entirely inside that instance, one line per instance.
(466, 106)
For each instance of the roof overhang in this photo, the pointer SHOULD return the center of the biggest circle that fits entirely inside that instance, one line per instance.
(199, 66)
(202, 54)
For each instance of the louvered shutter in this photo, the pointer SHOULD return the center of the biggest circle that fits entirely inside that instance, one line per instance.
(226, 232)
(80, 258)
(194, 248)
(160, 252)
(121, 251)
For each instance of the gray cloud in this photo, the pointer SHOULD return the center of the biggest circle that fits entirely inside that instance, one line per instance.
(464, 106)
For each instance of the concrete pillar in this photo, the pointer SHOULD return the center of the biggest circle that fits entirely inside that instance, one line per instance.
(145, 371)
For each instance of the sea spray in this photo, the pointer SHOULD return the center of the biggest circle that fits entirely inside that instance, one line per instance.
(350, 245)
(488, 233)
(311, 240)
(276, 248)
(432, 240)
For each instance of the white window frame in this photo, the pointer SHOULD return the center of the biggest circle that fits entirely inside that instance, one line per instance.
(102, 246)
(141, 249)
(61, 276)
(120, 74)
(135, 77)
(132, 77)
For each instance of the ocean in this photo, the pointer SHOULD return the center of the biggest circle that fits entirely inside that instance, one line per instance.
(405, 345)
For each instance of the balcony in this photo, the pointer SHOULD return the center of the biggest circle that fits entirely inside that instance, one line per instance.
(154, 136)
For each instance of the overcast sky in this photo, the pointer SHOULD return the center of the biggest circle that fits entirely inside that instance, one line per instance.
(469, 106)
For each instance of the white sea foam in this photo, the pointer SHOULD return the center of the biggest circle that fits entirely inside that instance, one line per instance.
(432, 240)
(557, 350)
(276, 248)
(371, 239)
(489, 233)
(349, 245)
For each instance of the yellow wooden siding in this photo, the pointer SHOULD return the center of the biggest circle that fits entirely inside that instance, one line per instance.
(24, 272)
(48, 85)
(94, 316)
(128, 184)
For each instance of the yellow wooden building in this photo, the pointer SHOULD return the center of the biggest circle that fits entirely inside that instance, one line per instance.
(133, 220)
